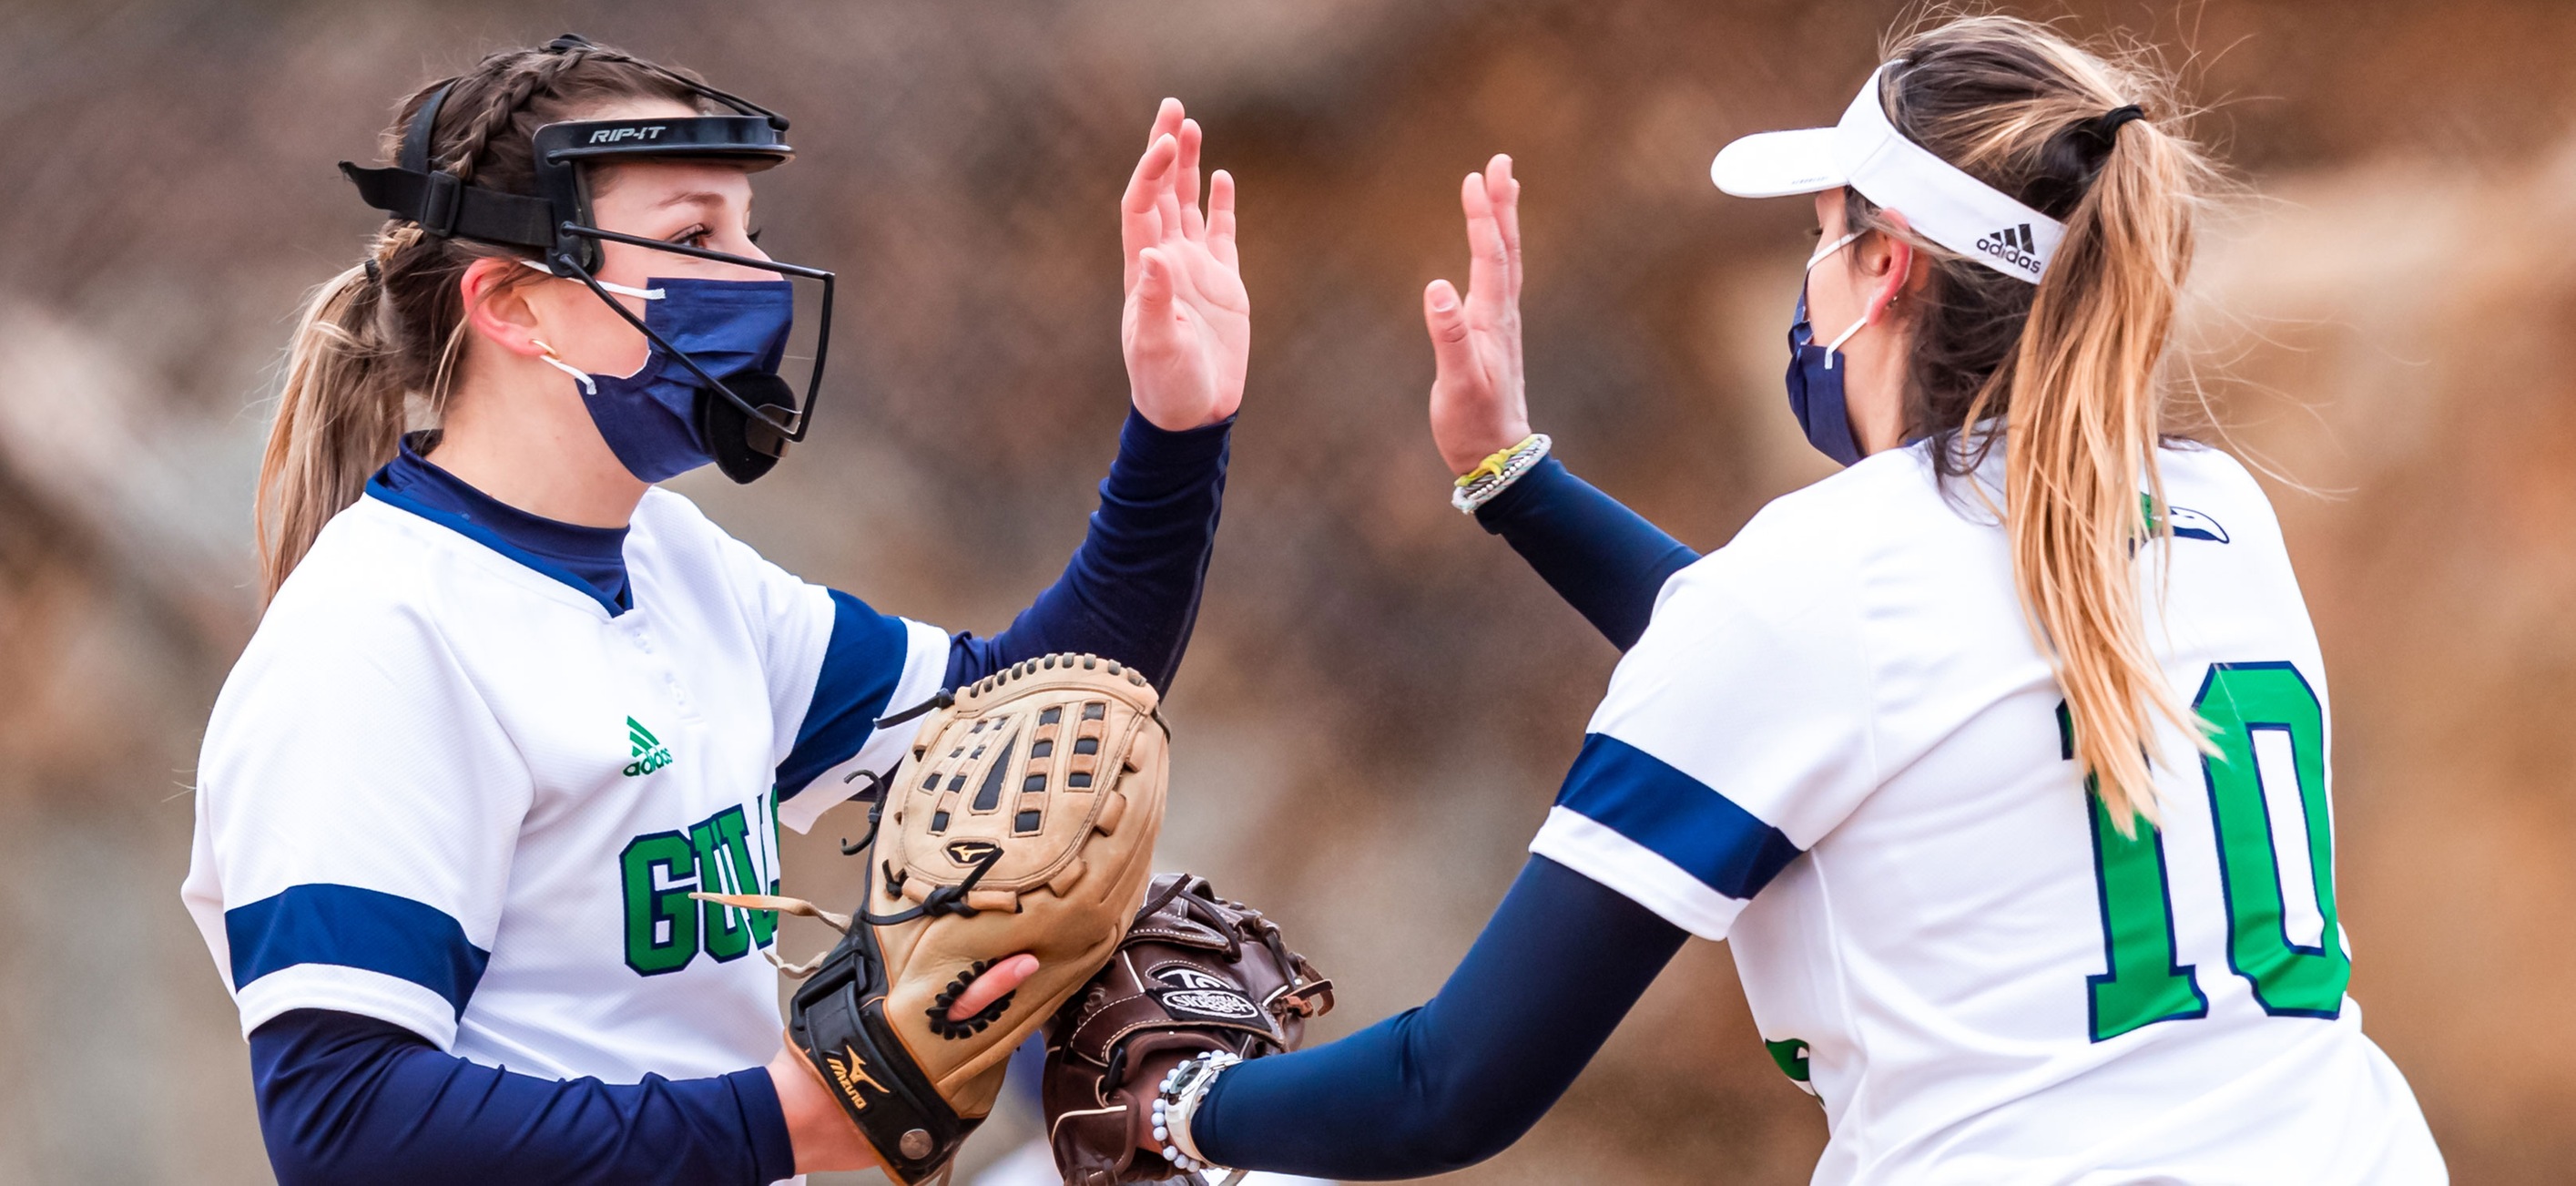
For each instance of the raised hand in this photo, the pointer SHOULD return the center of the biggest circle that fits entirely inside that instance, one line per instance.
(1187, 326)
(1478, 405)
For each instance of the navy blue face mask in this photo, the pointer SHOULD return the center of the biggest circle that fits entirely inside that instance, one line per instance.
(1816, 376)
(657, 420)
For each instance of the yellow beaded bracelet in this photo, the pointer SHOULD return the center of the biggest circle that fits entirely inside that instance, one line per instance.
(1492, 465)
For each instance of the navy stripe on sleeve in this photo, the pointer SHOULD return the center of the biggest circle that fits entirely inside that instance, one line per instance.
(861, 666)
(352, 927)
(1680, 818)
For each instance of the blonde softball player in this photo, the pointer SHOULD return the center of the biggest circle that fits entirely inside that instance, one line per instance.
(511, 703)
(1998, 758)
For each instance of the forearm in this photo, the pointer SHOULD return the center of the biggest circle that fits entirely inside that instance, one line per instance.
(1605, 560)
(1459, 1079)
(1131, 592)
(344, 1098)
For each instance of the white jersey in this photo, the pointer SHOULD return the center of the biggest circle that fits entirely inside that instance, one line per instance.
(447, 790)
(1839, 747)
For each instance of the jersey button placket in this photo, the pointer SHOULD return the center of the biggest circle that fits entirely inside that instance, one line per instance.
(642, 637)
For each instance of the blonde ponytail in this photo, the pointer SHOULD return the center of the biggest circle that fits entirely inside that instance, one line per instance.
(339, 417)
(2072, 370)
(2081, 436)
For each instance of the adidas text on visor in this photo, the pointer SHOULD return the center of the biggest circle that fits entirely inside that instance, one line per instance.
(1867, 153)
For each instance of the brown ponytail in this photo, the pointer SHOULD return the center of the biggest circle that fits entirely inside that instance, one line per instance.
(2072, 369)
(339, 414)
(375, 347)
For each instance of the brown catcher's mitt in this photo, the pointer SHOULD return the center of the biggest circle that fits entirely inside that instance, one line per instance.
(1196, 973)
(1023, 821)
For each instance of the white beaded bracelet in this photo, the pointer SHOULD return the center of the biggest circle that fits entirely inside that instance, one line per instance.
(1481, 484)
(1176, 1102)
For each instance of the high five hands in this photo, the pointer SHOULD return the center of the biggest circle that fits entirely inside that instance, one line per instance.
(1187, 326)
(1477, 403)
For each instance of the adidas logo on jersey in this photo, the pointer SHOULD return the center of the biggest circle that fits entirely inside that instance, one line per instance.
(650, 754)
(2014, 246)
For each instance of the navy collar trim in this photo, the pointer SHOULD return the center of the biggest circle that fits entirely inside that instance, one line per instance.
(380, 491)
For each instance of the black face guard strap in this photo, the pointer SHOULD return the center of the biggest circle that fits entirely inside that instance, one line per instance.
(441, 204)
(557, 224)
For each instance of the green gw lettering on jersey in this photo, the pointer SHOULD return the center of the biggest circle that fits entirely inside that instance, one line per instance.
(665, 929)
(1791, 1055)
(2145, 984)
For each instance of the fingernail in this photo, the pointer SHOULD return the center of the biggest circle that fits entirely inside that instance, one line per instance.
(1444, 298)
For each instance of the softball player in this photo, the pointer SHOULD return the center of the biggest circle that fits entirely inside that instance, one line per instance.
(510, 702)
(2000, 757)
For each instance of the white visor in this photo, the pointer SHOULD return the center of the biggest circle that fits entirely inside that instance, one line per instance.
(1867, 153)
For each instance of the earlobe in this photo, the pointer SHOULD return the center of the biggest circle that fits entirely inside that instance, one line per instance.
(497, 308)
(1900, 272)
(1900, 265)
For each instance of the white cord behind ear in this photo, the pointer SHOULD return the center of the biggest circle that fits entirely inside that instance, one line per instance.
(589, 386)
(648, 294)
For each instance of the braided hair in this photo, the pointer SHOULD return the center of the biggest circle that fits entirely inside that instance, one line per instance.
(375, 346)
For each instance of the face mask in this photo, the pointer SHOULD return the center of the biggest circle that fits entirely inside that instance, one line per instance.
(661, 421)
(1815, 380)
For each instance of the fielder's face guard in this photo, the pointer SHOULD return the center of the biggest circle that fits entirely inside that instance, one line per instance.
(557, 223)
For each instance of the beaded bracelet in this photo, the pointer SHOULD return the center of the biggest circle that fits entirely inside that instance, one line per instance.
(1496, 473)
(1176, 1101)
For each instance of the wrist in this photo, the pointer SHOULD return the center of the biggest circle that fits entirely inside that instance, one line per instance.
(1176, 420)
(1537, 489)
(1497, 472)
(1463, 455)
(1176, 1104)
(822, 1135)
(1154, 462)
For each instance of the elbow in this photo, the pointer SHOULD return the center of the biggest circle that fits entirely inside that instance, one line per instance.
(306, 1159)
(1451, 1143)
(1455, 1125)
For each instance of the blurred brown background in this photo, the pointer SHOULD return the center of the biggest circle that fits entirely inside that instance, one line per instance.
(2386, 320)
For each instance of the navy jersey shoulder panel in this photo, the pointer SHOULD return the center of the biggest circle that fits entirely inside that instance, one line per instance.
(862, 664)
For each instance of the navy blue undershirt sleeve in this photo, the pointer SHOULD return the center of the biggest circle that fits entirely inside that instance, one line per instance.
(1449, 1084)
(1131, 592)
(344, 1098)
(1605, 560)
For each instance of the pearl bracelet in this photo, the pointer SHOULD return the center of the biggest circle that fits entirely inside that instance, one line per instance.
(1496, 473)
(1176, 1102)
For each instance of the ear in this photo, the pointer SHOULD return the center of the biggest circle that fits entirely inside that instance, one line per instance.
(497, 307)
(1896, 276)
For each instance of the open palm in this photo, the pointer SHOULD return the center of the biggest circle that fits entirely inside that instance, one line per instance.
(1187, 326)
(1478, 402)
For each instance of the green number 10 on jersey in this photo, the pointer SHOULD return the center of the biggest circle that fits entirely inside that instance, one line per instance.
(2267, 798)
